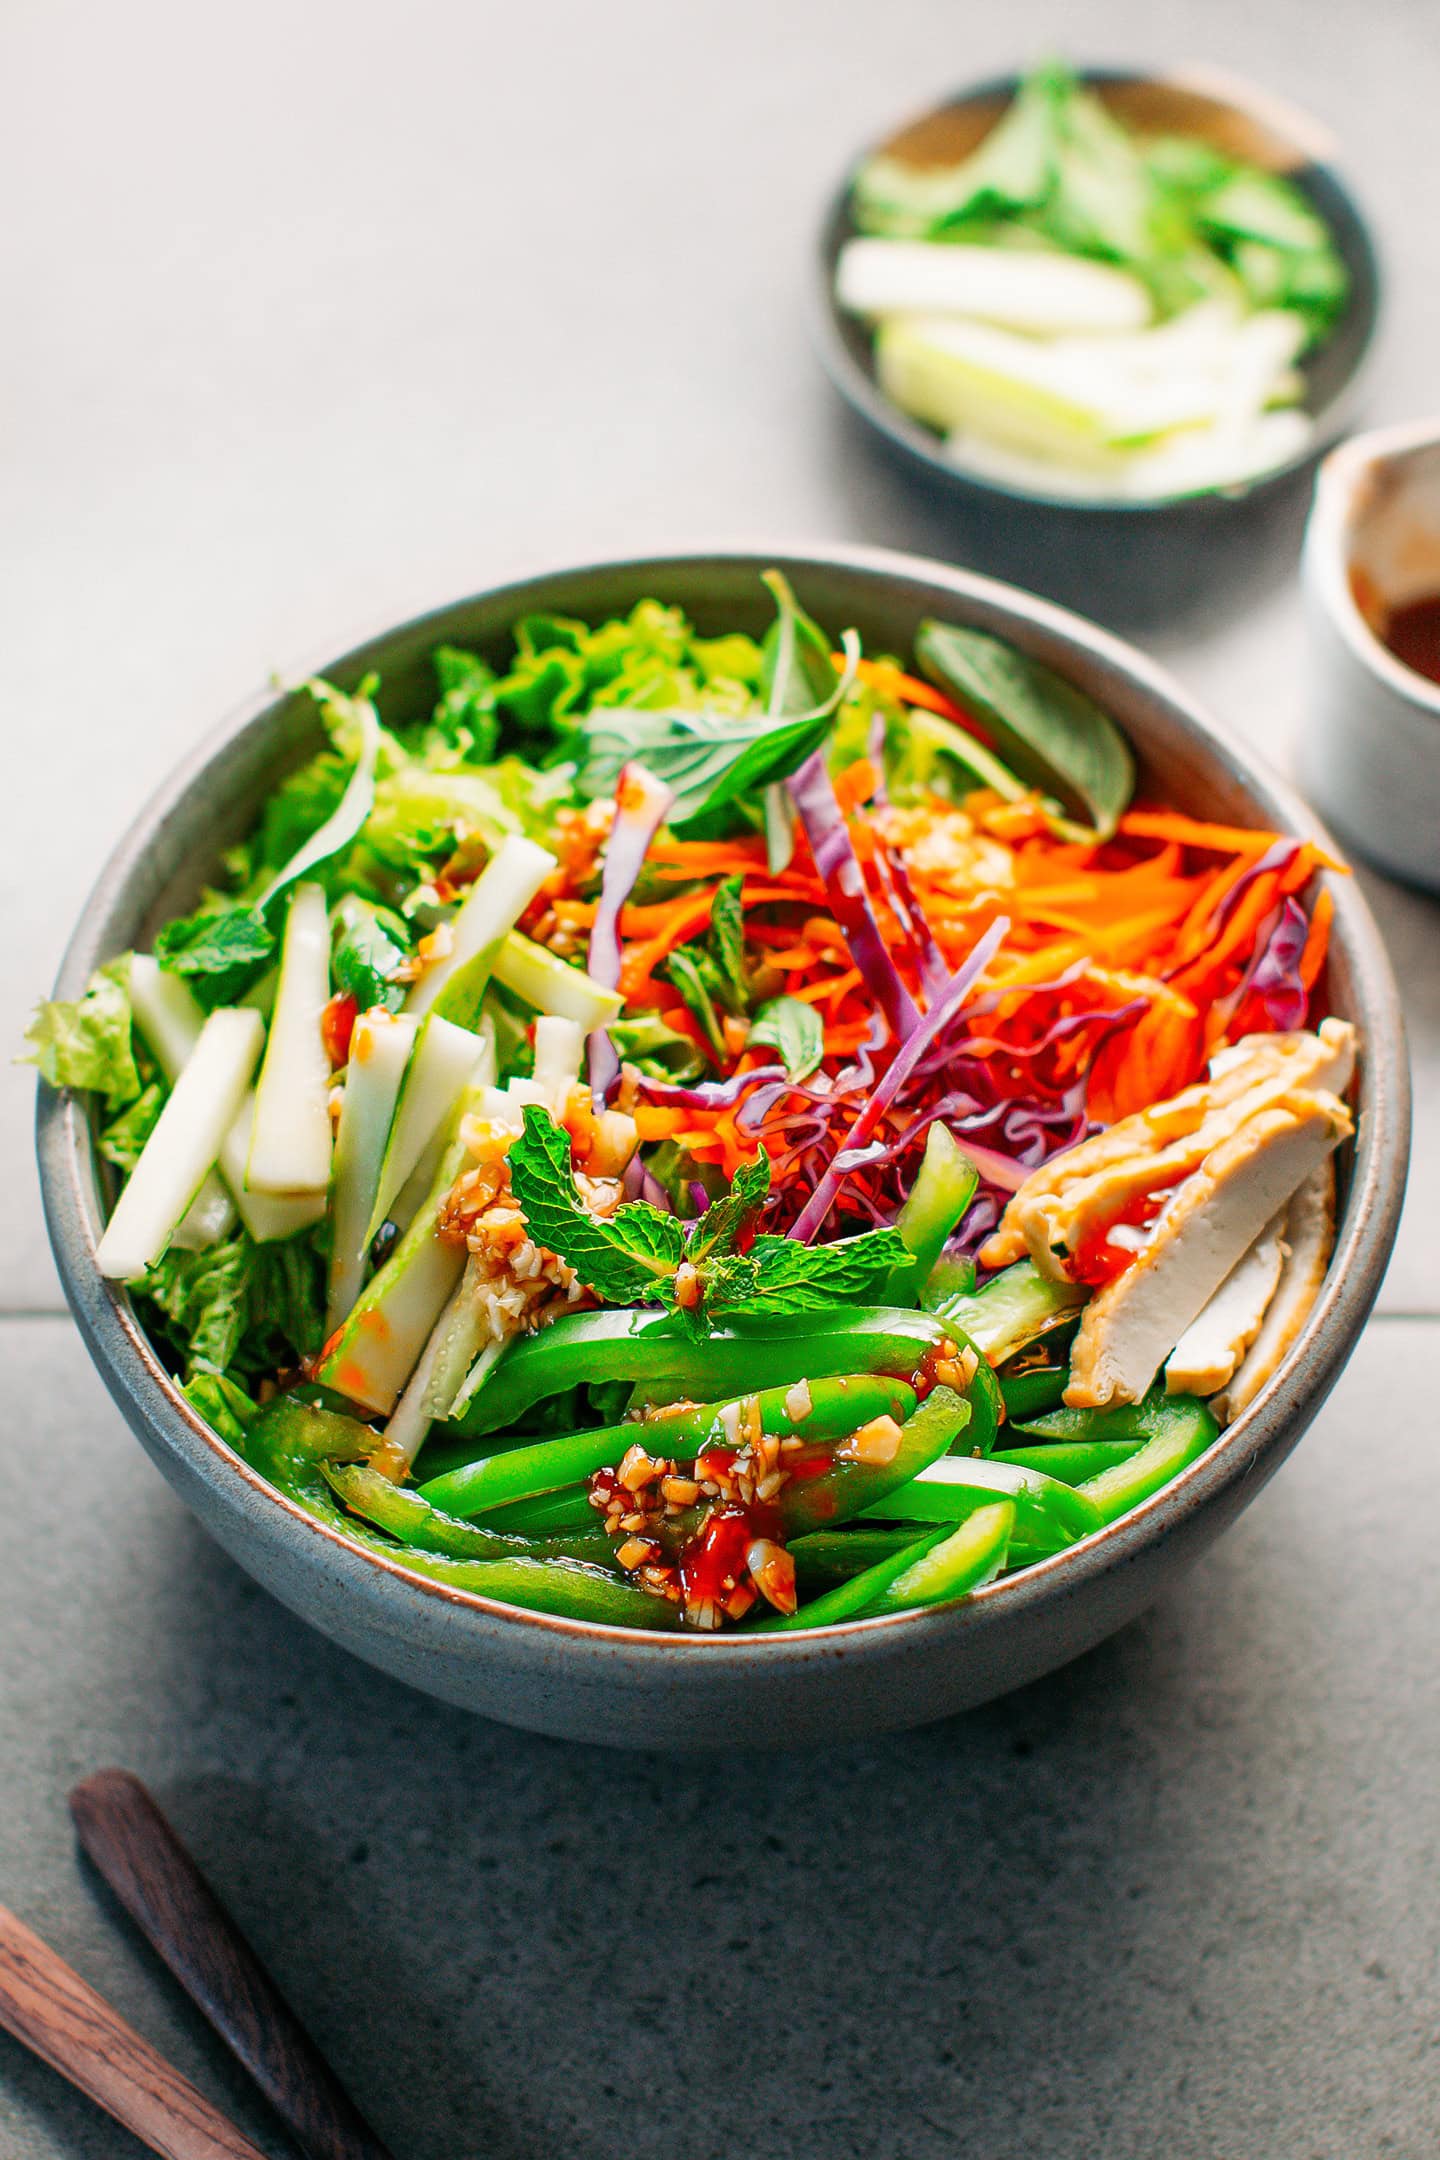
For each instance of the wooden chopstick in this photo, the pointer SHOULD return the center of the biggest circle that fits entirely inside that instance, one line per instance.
(47, 2006)
(142, 1859)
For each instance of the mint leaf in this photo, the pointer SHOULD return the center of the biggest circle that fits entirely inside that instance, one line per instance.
(792, 1027)
(219, 952)
(628, 1258)
(85, 1042)
(717, 1232)
(779, 1275)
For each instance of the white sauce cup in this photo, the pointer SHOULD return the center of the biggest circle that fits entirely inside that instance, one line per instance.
(1370, 754)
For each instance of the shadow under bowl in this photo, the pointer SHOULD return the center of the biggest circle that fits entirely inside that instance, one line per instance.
(620, 1686)
(1140, 561)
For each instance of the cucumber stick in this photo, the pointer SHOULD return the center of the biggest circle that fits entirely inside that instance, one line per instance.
(381, 1340)
(290, 1140)
(380, 1048)
(1012, 1309)
(445, 1061)
(1041, 292)
(493, 906)
(413, 1415)
(184, 1144)
(559, 1047)
(551, 985)
(170, 1019)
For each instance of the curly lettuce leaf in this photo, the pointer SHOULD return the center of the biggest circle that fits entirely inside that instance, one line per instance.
(238, 1305)
(123, 1140)
(86, 1042)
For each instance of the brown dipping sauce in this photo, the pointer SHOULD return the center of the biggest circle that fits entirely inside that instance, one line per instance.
(1412, 633)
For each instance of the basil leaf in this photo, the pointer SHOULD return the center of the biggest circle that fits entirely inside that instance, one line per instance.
(344, 823)
(707, 758)
(645, 1041)
(793, 1028)
(1053, 734)
(726, 942)
(797, 673)
(625, 1258)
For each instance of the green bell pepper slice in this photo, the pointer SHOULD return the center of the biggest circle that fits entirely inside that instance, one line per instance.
(1180, 1428)
(845, 1488)
(412, 1521)
(848, 1600)
(972, 1555)
(829, 1410)
(1071, 1461)
(290, 1440)
(652, 1347)
(1047, 1513)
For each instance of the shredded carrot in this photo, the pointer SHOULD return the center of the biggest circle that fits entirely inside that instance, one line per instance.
(1317, 944)
(855, 785)
(1190, 832)
(654, 1123)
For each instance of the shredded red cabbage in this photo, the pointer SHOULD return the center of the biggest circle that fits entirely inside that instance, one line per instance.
(713, 1094)
(901, 1066)
(1273, 976)
(1276, 856)
(839, 867)
(641, 805)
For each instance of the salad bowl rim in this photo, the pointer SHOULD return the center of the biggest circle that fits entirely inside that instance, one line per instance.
(1252, 1446)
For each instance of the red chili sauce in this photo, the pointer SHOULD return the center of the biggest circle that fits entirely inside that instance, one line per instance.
(1099, 1258)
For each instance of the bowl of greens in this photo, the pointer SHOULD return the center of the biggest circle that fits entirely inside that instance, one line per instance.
(722, 1149)
(1099, 291)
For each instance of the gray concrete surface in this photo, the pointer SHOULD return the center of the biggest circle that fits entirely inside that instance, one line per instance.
(314, 315)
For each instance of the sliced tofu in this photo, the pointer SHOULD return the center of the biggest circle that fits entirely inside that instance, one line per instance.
(1310, 1239)
(1130, 1327)
(1212, 1346)
(1055, 1207)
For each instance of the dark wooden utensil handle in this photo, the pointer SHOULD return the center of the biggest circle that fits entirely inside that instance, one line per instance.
(138, 1853)
(45, 2004)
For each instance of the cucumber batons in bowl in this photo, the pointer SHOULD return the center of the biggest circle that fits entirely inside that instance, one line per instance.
(1216, 116)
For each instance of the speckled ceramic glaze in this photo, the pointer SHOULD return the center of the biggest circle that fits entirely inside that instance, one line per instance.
(616, 1685)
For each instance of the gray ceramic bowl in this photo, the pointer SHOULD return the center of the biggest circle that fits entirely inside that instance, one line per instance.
(617, 1685)
(1220, 110)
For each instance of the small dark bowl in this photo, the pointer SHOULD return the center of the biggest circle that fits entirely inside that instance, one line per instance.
(1231, 116)
(620, 1685)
